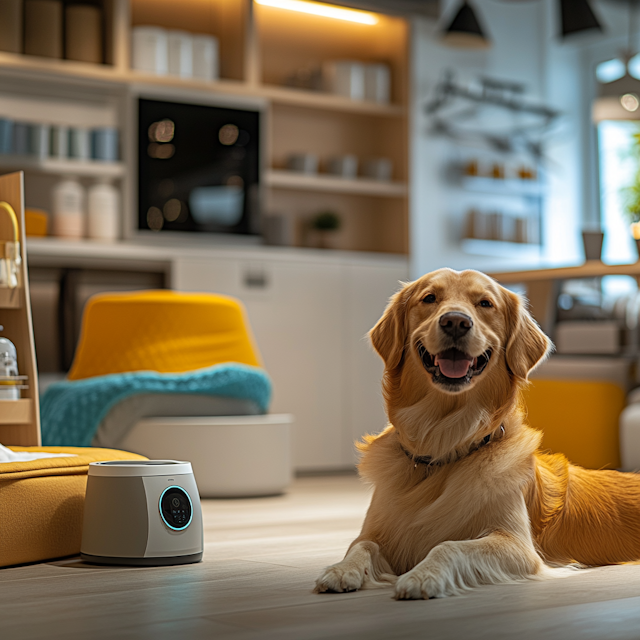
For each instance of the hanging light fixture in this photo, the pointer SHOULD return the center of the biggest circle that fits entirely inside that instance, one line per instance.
(577, 16)
(465, 31)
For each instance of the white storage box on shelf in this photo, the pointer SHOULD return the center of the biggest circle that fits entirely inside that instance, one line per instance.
(231, 456)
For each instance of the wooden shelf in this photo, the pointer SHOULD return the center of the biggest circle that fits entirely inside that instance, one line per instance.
(77, 72)
(281, 179)
(23, 66)
(63, 167)
(15, 412)
(320, 100)
(495, 186)
(10, 298)
(500, 248)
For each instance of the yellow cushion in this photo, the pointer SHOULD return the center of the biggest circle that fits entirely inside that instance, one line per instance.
(163, 331)
(42, 502)
(578, 418)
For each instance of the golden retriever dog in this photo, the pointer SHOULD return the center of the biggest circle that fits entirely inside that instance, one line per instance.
(462, 494)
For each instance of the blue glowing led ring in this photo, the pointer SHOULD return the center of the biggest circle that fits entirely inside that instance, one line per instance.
(186, 493)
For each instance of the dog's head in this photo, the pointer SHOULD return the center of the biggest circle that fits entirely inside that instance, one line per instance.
(460, 329)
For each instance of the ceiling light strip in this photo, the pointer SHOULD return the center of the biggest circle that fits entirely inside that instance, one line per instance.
(324, 10)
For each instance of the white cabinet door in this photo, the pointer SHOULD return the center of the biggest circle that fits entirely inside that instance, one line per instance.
(295, 310)
(367, 289)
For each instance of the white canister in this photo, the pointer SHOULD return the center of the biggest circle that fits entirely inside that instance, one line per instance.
(103, 208)
(8, 369)
(59, 141)
(150, 50)
(343, 166)
(345, 78)
(79, 143)
(206, 57)
(68, 209)
(378, 169)
(377, 83)
(180, 54)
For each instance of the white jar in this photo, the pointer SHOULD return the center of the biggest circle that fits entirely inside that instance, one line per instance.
(68, 209)
(8, 369)
(150, 50)
(103, 211)
(180, 54)
(206, 57)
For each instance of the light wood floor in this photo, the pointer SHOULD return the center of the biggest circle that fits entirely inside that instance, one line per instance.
(261, 559)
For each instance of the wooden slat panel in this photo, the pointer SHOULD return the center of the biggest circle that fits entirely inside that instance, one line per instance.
(18, 328)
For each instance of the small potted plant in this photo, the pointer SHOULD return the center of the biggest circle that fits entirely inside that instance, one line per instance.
(324, 227)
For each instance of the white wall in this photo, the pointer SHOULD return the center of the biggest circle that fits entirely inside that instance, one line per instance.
(525, 49)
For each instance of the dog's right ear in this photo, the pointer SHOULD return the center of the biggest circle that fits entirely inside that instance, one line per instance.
(389, 335)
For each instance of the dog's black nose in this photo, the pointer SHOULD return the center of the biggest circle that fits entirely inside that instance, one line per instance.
(455, 324)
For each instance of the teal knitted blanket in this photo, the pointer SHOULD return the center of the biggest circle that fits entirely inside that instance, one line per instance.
(72, 410)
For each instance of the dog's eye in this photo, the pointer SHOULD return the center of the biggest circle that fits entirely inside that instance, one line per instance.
(429, 299)
(485, 303)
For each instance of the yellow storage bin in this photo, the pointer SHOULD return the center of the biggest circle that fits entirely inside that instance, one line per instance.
(578, 418)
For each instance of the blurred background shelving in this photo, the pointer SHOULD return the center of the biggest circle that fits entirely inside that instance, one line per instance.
(259, 49)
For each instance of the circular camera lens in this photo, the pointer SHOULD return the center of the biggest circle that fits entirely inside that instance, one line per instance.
(175, 508)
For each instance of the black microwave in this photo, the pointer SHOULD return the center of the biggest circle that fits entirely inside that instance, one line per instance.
(198, 168)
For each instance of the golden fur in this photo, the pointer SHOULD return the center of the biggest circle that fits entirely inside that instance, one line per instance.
(500, 513)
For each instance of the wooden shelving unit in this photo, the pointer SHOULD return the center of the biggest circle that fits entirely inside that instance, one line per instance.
(19, 419)
(259, 49)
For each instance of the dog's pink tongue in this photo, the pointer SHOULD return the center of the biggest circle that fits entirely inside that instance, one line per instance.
(453, 368)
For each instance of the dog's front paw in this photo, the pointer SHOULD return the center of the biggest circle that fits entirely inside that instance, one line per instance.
(339, 578)
(410, 587)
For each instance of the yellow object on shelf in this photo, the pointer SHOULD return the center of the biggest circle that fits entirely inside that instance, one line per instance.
(578, 418)
(36, 222)
(162, 331)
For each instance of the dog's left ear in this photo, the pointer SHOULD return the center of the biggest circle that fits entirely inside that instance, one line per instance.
(527, 345)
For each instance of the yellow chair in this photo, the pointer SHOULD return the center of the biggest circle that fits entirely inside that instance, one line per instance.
(162, 331)
(578, 418)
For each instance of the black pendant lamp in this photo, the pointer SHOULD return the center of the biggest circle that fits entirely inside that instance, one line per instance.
(465, 31)
(577, 16)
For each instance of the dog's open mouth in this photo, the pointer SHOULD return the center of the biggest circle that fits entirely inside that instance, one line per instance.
(452, 367)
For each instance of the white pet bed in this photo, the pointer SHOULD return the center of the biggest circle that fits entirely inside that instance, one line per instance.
(231, 456)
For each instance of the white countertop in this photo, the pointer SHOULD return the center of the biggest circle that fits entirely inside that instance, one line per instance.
(58, 251)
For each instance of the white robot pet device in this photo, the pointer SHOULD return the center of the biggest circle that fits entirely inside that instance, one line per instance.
(142, 512)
